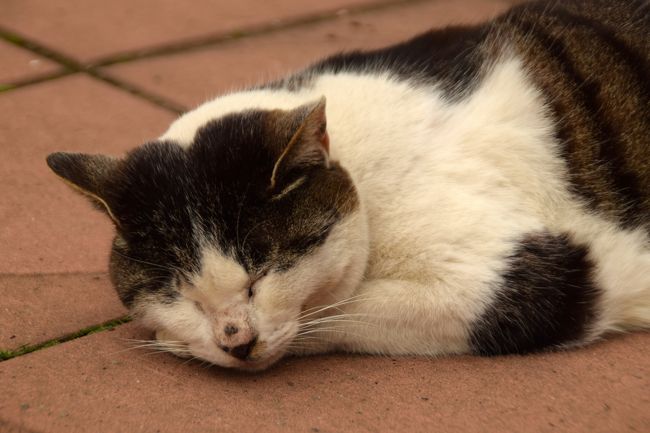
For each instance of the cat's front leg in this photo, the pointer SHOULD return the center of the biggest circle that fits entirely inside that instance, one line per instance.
(389, 317)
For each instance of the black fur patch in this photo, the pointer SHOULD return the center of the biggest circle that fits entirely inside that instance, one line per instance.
(547, 299)
(168, 199)
(450, 58)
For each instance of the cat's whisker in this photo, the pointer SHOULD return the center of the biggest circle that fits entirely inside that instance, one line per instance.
(158, 343)
(251, 231)
(337, 316)
(154, 346)
(303, 338)
(342, 320)
(192, 358)
(322, 331)
(144, 262)
(241, 206)
(321, 308)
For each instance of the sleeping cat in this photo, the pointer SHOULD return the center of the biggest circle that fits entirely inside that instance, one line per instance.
(478, 189)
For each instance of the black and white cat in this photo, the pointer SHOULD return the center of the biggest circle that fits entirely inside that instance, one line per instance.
(476, 189)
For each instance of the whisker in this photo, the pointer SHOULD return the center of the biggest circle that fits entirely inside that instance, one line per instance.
(166, 268)
(251, 231)
(327, 330)
(308, 312)
(241, 206)
(337, 316)
(322, 330)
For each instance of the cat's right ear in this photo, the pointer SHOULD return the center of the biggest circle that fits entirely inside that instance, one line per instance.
(88, 174)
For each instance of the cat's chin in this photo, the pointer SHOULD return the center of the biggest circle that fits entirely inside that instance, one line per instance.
(254, 364)
(258, 365)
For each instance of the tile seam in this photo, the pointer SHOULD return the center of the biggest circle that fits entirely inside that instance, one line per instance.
(6, 355)
(94, 68)
(245, 32)
(35, 79)
(72, 66)
(51, 274)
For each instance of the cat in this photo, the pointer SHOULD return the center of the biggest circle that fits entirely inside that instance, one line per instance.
(477, 189)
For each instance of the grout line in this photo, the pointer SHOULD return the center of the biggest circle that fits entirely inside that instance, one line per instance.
(160, 101)
(22, 42)
(245, 32)
(6, 355)
(35, 80)
(72, 66)
(52, 274)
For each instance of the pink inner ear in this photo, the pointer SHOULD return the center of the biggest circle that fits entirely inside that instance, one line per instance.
(325, 141)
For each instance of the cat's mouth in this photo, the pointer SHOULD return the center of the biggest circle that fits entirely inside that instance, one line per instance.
(266, 351)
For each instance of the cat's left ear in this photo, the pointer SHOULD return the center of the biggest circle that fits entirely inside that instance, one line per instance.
(309, 145)
(88, 174)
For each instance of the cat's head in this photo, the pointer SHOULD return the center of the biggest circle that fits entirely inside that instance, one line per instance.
(221, 244)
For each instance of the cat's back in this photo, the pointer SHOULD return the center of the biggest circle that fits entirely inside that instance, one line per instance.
(591, 58)
(538, 119)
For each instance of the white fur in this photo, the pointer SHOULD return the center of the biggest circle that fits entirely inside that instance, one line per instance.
(447, 190)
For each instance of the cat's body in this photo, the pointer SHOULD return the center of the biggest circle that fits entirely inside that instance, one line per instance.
(487, 190)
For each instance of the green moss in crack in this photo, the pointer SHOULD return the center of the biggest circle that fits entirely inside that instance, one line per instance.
(4, 87)
(24, 350)
(10, 37)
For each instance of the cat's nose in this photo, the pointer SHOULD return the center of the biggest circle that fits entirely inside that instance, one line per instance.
(230, 330)
(242, 351)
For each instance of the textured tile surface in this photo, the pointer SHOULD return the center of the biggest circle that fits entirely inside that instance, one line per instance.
(53, 253)
(17, 64)
(37, 308)
(44, 226)
(94, 382)
(88, 29)
(192, 78)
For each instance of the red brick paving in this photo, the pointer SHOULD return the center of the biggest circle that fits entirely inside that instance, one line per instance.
(18, 64)
(53, 250)
(46, 231)
(40, 307)
(96, 381)
(89, 30)
(48, 228)
(192, 78)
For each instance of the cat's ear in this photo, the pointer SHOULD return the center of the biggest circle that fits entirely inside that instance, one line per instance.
(309, 144)
(88, 174)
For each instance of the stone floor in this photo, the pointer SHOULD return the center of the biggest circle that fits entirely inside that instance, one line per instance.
(94, 76)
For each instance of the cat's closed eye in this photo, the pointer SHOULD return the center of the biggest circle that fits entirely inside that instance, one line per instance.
(255, 282)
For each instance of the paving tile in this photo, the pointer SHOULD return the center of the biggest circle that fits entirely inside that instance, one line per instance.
(18, 64)
(39, 308)
(96, 384)
(91, 29)
(44, 227)
(191, 78)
